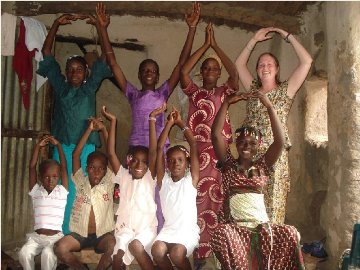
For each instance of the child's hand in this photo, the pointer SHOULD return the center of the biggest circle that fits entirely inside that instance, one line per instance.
(98, 123)
(171, 117)
(231, 99)
(263, 98)
(67, 18)
(193, 18)
(109, 116)
(53, 141)
(177, 116)
(157, 111)
(44, 140)
(212, 36)
(208, 34)
(102, 18)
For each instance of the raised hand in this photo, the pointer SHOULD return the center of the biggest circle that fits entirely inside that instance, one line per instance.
(102, 18)
(208, 33)
(157, 111)
(44, 140)
(262, 97)
(262, 34)
(109, 116)
(98, 123)
(177, 116)
(283, 33)
(192, 19)
(233, 98)
(212, 36)
(53, 141)
(68, 18)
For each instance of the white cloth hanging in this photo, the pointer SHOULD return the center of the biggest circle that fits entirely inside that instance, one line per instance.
(8, 26)
(35, 36)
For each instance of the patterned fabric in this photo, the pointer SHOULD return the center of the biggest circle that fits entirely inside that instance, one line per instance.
(203, 107)
(100, 198)
(278, 185)
(267, 246)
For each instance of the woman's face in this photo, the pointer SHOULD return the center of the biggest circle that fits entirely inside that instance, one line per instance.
(75, 73)
(267, 68)
(210, 70)
(246, 146)
(177, 164)
(148, 75)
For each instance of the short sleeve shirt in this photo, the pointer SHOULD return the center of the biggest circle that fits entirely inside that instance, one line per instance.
(73, 106)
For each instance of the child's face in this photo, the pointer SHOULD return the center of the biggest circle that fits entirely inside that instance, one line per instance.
(177, 164)
(50, 177)
(96, 169)
(210, 70)
(75, 73)
(149, 75)
(138, 165)
(246, 146)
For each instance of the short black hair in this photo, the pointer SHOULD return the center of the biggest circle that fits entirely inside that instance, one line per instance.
(146, 61)
(180, 148)
(77, 58)
(138, 148)
(46, 164)
(97, 155)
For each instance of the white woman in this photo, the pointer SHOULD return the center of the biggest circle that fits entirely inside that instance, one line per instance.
(281, 95)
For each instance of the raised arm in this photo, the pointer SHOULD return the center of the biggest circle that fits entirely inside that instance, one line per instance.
(103, 20)
(298, 76)
(76, 163)
(113, 159)
(241, 62)
(228, 64)
(63, 164)
(152, 138)
(192, 21)
(274, 151)
(62, 20)
(193, 59)
(160, 157)
(194, 155)
(34, 158)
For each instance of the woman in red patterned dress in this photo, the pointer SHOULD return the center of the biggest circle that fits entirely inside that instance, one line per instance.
(245, 238)
(204, 103)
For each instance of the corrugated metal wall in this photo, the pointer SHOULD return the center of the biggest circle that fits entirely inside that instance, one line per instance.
(19, 129)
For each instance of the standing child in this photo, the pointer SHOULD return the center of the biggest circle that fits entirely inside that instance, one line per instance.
(74, 102)
(204, 103)
(180, 234)
(92, 216)
(143, 101)
(49, 200)
(136, 222)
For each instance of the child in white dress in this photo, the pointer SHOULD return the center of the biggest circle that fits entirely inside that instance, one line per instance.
(136, 223)
(180, 234)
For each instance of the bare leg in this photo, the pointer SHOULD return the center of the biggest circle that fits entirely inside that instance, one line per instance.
(118, 262)
(138, 251)
(64, 249)
(107, 246)
(159, 252)
(178, 256)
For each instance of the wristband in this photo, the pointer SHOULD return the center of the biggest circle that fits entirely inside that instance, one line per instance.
(287, 38)
(152, 118)
(184, 129)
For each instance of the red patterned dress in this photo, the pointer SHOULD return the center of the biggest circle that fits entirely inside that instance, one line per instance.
(241, 242)
(203, 107)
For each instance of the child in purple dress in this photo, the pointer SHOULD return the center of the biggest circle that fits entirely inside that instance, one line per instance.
(143, 101)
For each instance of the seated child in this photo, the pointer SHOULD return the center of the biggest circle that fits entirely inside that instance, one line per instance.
(92, 216)
(48, 198)
(180, 234)
(136, 222)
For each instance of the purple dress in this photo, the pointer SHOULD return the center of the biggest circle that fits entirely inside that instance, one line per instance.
(142, 104)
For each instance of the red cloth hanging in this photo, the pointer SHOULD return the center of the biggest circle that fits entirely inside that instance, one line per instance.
(22, 64)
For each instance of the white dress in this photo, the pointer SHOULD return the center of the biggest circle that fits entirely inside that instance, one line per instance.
(178, 203)
(136, 215)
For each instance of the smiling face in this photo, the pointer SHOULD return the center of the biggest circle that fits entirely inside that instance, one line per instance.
(177, 163)
(148, 74)
(49, 176)
(210, 70)
(267, 68)
(246, 146)
(138, 164)
(96, 168)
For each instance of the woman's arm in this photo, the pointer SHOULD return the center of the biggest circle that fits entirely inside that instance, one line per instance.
(194, 58)
(274, 151)
(241, 62)
(152, 138)
(298, 76)
(228, 64)
(216, 130)
(113, 159)
(103, 20)
(192, 21)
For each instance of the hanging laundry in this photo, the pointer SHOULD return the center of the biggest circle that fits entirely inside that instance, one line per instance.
(35, 36)
(8, 26)
(22, 64)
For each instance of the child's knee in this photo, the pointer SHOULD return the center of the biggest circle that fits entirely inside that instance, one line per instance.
(178, 254)
(48, 253)
(135, 246)
(59, 248)
(158, 250)
(25, 254)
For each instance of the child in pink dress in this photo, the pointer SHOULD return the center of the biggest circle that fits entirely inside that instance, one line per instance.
(136, 223)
